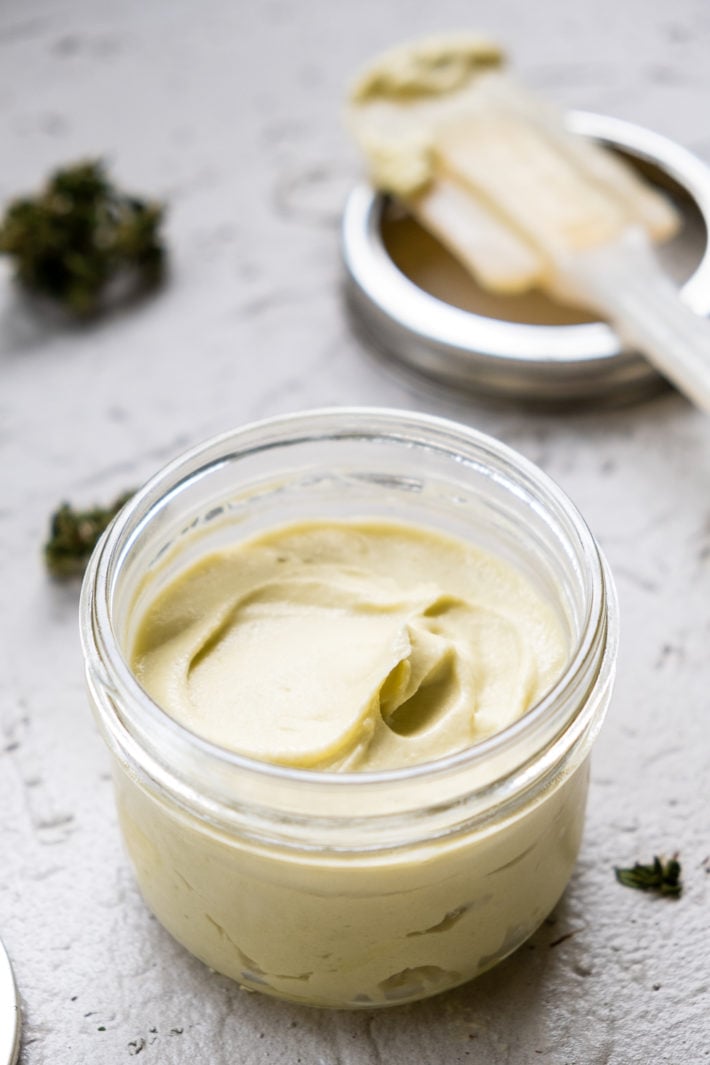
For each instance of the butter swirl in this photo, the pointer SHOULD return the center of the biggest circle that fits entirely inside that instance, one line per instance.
(348, 645)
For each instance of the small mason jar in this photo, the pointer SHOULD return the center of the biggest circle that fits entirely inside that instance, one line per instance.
(351, 889)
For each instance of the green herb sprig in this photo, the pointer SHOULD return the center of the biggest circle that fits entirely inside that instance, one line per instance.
(73, 535)
(661, 877)
(78, 235)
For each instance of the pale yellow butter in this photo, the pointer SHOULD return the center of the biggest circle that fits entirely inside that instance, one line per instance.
(349, 645)
(395, 106)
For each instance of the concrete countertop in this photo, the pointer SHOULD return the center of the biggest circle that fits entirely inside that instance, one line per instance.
(230, 112)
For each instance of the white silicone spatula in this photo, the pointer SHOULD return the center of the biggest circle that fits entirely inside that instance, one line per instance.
(494, 174)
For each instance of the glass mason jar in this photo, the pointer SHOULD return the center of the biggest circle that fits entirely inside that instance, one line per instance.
(345, 889)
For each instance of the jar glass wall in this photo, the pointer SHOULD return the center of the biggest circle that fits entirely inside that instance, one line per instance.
(351, 889)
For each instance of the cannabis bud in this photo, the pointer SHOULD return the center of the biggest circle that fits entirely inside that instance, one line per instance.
(78, 235)
(74, 534)
(661, 877)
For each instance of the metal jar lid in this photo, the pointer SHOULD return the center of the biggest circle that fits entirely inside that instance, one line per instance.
(9, 1012)
(411, 300)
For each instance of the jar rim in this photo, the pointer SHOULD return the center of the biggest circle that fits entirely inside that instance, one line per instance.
(99, 637)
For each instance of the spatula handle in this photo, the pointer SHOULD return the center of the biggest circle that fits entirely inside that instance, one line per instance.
(626, 284)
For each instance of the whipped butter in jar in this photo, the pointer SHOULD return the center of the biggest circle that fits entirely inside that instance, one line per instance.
(350, 665)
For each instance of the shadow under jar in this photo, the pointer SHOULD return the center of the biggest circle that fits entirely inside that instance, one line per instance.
(351, 889)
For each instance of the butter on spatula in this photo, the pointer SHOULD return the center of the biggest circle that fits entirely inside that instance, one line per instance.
(492, 172)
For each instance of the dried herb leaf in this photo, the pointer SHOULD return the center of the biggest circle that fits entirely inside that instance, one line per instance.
(661, 877)
(74, 534)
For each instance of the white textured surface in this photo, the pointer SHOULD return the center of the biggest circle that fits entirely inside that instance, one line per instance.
(231, 112)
